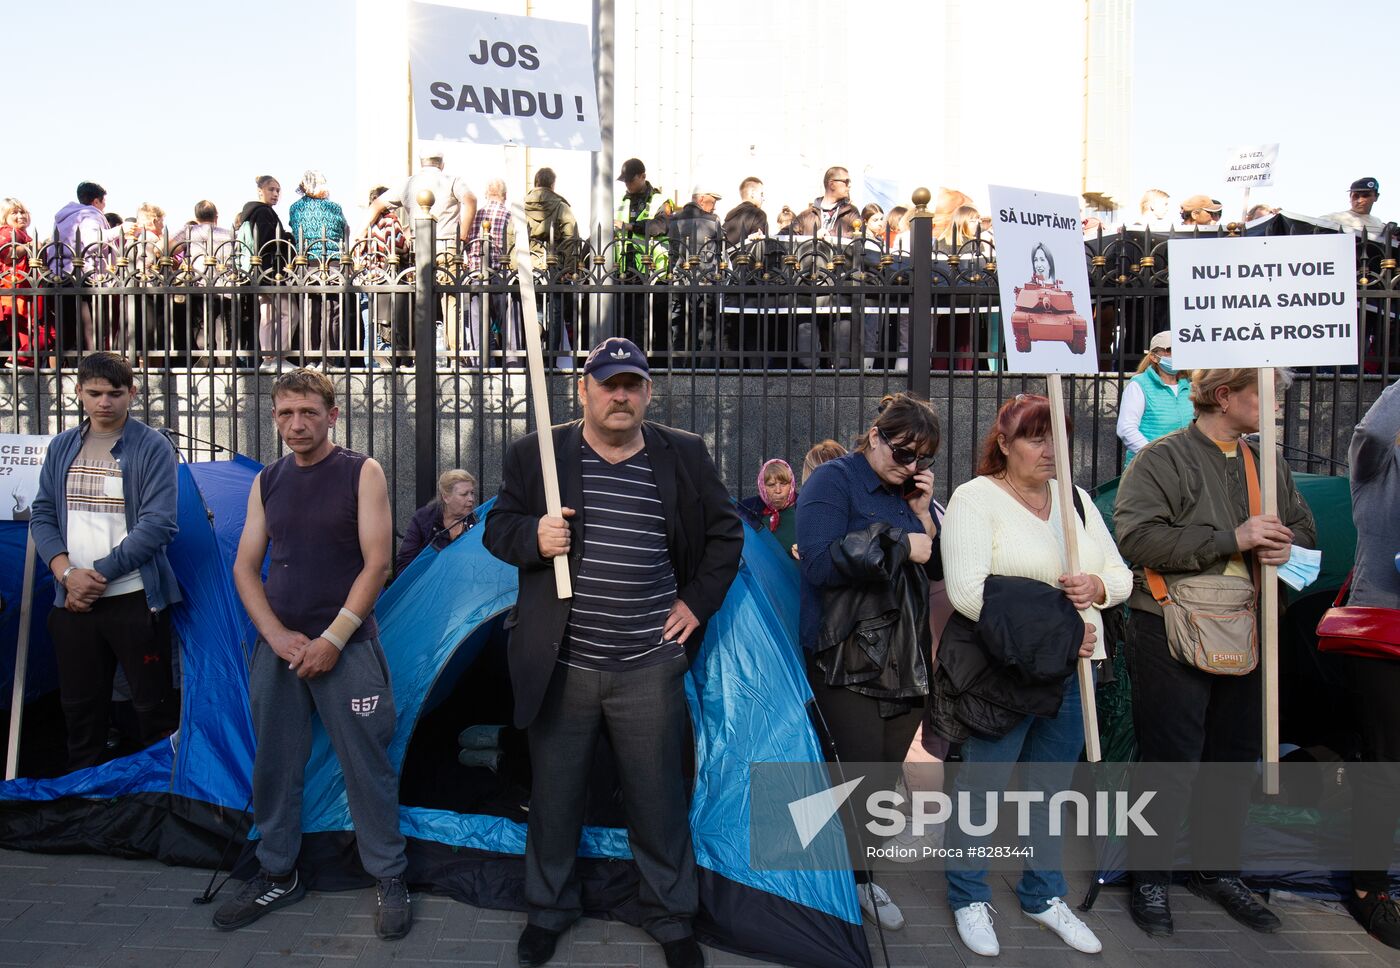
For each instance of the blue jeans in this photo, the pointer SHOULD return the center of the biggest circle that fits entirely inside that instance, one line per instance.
(988, 766)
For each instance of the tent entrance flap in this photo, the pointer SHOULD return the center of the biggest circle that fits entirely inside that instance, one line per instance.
(466, 757)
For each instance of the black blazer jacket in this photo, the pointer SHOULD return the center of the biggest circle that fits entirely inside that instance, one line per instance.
(704, 533)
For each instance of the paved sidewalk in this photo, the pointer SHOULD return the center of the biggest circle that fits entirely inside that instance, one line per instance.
(84, 910)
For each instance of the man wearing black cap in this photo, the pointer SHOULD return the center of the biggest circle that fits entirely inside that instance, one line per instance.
(1364, 192)
(640, 225)
(652, 543)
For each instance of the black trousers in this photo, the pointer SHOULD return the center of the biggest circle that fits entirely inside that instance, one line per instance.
(88, 646)
(850, 728)
(1183, 715)
(1375, 690)
(646, 719)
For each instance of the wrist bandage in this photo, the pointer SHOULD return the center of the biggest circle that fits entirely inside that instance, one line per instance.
(341, 628)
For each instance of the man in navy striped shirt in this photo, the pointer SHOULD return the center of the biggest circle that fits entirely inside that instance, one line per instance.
(652, 542)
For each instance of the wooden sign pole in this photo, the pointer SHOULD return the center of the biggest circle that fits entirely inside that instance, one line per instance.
(1064, 483)
(534, 354)
(26, 614)
(1268, 576)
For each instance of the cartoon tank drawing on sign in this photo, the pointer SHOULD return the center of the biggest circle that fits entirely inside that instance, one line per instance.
(1044, 310)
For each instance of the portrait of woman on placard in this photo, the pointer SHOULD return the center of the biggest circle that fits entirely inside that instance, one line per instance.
(1042, 266)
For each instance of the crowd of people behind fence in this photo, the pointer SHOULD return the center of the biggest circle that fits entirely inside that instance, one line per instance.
(657, 237)
(652, 542)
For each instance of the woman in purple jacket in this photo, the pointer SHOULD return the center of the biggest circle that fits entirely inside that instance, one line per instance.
(442, 520)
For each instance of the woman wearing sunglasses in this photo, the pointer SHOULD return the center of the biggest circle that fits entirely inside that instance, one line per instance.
(1006, 522)
(868, 546)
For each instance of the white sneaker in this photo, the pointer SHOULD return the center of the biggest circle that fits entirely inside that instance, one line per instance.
(875, 902)
(975, 928)
(1061, 920)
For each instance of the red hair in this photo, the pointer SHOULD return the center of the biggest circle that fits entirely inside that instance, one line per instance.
(1024, 415)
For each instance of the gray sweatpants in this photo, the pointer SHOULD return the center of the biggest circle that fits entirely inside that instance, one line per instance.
(356, 705)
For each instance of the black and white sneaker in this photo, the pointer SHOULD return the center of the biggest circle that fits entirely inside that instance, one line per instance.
(260, 895)
(394, 915)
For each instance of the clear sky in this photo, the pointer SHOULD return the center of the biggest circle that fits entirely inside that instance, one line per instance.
(172, 102)
(1313, 77)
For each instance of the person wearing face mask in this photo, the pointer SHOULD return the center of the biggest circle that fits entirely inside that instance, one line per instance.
(442, 520)
(1156, 400)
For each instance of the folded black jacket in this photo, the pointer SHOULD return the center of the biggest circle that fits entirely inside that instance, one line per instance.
(874, 637)
(1010, 664)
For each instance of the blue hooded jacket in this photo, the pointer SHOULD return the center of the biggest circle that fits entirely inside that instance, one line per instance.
(150, 490)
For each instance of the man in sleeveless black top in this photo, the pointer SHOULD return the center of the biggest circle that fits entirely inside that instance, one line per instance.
(324, 512)
(653, 543)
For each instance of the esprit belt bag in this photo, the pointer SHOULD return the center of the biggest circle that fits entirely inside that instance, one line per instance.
(1210, 619)
(1364, 630)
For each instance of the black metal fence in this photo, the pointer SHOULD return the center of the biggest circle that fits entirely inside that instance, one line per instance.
(764, 348)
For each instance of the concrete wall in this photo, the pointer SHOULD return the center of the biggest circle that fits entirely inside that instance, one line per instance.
(744, 418)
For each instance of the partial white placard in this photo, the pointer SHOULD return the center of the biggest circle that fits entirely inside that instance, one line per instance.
(1251, 166)
(21, 458)
(1046, 316)
(1286, 300)
(494, 79)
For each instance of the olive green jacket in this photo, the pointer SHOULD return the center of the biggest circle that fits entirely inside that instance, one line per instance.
(1179, 503)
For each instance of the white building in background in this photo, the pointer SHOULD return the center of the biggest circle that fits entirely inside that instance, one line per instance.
(956, 93)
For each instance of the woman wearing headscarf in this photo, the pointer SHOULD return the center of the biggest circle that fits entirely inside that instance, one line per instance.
(774, 508)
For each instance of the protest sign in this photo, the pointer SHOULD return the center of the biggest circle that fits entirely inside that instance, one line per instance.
(21, 458)
(1276, 301)
(1264, 302)
(1047, 319)
(489, 78)
(1048, 324)
(1251, 166)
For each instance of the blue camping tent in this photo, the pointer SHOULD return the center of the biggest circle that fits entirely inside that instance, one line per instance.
(177, 800)
(441, 625)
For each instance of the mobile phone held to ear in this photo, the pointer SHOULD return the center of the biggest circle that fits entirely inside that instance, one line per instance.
(911, 488)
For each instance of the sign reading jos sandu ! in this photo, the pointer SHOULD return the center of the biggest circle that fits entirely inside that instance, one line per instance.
(494, 79)
(1277, 301)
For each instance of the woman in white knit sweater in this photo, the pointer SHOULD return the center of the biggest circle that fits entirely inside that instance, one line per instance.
(1006, 521)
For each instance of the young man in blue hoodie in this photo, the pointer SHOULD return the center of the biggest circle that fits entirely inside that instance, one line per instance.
(103, 517)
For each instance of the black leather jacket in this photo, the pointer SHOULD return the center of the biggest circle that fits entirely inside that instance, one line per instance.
(1010, 664)
(875, 637)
